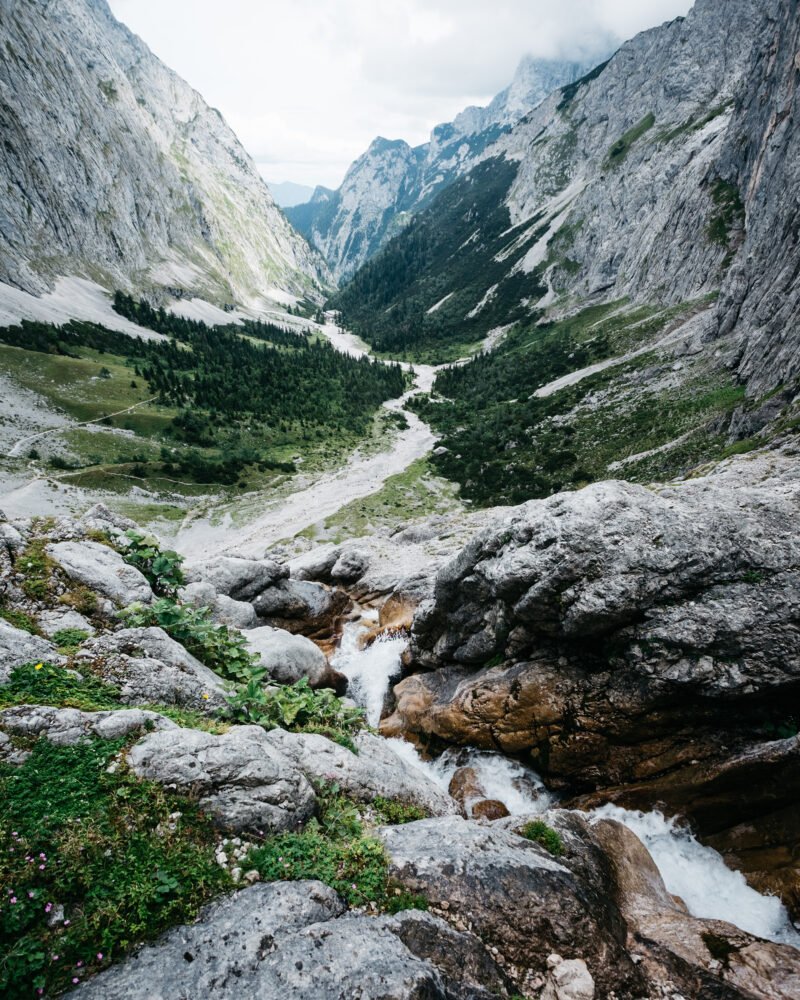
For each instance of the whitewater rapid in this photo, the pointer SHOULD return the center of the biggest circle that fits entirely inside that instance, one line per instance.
(696, 873)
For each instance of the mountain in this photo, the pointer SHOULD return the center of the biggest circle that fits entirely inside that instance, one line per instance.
(288, 194)
(392, 180)
(634, 240)
(114, 168)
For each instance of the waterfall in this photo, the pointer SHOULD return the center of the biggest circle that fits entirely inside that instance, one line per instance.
(699, 875)
(369, 671)
(696, 873)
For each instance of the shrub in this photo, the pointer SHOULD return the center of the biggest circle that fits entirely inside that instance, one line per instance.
(296, 707)
(222, 649)
(162, 569)
(68, 639)
(37, 570)
(123, 857)
(45, 684)
(394, 813)
(538, 831)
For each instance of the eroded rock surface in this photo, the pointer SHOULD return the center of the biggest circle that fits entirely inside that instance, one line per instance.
(295, 940)
(146, 665)
(375, 770)
(18, 647)
(289, 658)
(102, 570)
(239, 778)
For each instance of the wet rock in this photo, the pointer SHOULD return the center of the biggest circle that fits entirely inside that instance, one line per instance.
(699, 957)
(518, 899)
(466, 787)
(239, 778)
(102, 570)
(224, 610)
(18, 647)
(241, 579)
(490, 809)
(68, 726)
(289, 658)
(147, 665)
(303, 607)
(294, 940)
(376, 770)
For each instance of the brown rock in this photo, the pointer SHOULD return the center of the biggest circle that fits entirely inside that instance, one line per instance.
(465, 787)
(489, 809)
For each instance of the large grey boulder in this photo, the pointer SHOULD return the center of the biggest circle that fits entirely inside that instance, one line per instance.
(241, 579)
(103, 570)
(294, 940)
(18, 647)
(239, 778)
(147, 665)
(376, 770)
(224, 610)
(517, 898)
(68, 726)
(302, 606)
(288, 658)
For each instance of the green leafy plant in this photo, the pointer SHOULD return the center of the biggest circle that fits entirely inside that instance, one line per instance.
(92, 861)
(394, 813)
(162, 569)
(69, 639)
(295, 707)
(538, 831)
(221, 648)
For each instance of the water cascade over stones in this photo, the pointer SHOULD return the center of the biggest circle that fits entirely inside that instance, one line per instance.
(694, 872)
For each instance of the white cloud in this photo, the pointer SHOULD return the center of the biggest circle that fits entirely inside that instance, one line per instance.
(307, 84)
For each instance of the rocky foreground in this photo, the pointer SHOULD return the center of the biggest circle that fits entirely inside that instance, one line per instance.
(637, 646)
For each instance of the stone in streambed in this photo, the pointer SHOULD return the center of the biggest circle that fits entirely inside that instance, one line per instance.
(289, 658)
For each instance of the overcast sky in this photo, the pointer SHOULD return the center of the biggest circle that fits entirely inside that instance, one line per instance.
(307, 84)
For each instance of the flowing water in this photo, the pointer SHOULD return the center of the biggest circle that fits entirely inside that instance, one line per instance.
(690, 870)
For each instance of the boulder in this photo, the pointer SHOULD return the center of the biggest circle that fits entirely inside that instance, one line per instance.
(466, 787)
(700, 957)
(103, 570)
(68, 726)
(101, 518)
(240, 779)
(288, 658)
(18, 647)
(241, 579)
(567, 980)
(303, 607)
(351, 565)
(224, 610)
(293, 939)
(147, 665)
(51, 622)
(490, 809)
(376, 770)
(523, 904)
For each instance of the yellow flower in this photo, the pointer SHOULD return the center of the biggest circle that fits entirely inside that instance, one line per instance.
(205, 695)
(38, 666)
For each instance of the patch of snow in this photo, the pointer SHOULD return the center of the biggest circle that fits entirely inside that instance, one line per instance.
(440, 303)
(490, 294)
(71, 298)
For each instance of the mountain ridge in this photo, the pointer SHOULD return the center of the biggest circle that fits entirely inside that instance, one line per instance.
(135, 170)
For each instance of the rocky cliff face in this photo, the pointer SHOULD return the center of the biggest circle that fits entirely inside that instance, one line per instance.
(114, 168)
(392, 180)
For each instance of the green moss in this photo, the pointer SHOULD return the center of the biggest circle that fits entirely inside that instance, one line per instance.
(68, 640)
(538, 831)
(37, 569)
(619, 151)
